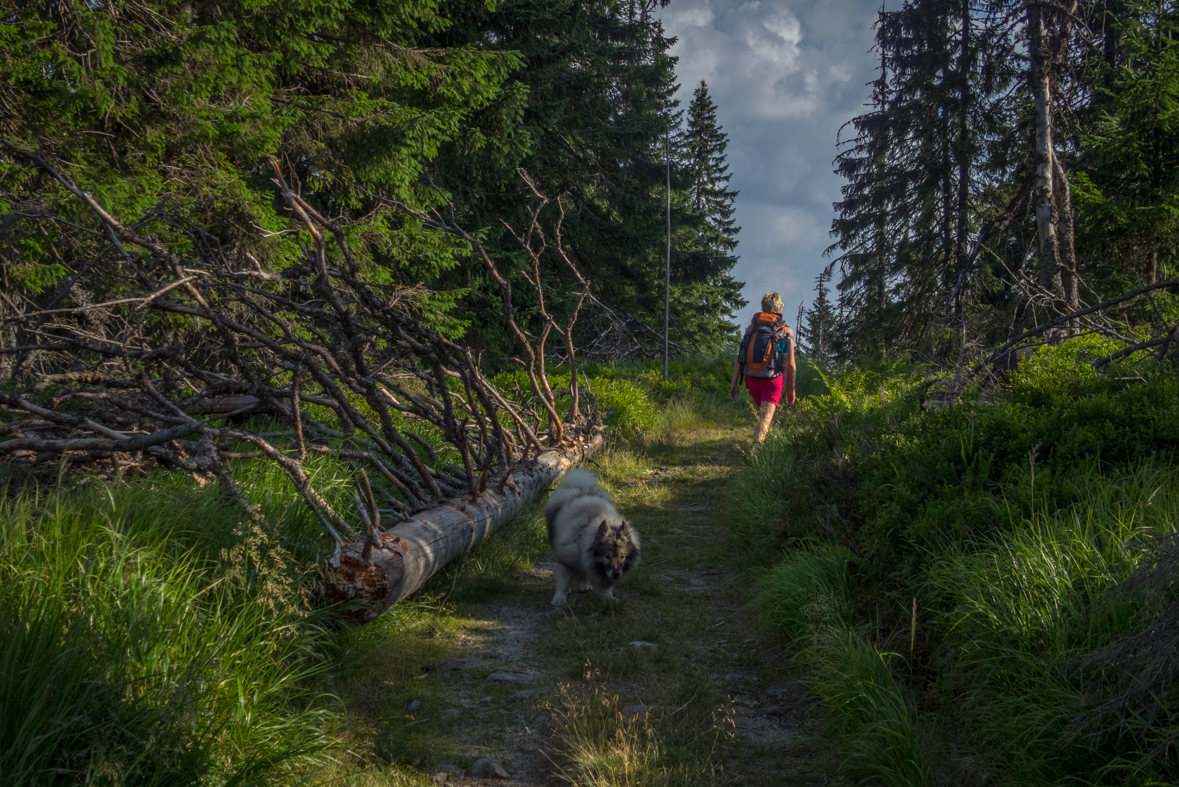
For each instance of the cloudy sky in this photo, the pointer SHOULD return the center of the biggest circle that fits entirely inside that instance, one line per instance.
(785, 75)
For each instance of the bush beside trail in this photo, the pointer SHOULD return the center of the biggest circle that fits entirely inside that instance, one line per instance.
(954, 580)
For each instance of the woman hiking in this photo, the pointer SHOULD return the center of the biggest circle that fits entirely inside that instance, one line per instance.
(766, 360)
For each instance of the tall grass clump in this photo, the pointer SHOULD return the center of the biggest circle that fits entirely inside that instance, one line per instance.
(599, 743)
(874, 715)
(995, 545)
(695, 410)
(133, 653)
(1025, 612)
(757, 501)
(808, 599)
(807, 594)
(628, 409)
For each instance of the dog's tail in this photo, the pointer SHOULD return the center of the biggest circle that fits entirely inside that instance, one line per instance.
(582, 480)
(577, 483)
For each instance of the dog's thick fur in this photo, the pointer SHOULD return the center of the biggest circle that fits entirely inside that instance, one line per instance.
(591, 541)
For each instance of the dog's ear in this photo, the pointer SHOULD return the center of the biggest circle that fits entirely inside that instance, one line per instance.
(603, 529)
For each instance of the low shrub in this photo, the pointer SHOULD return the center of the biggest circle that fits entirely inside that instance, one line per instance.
(628, 409)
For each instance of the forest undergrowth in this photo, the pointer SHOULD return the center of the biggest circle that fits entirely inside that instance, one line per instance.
(980, 592)
(964, 586)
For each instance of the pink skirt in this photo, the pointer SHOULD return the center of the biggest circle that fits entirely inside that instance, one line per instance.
(766, 390)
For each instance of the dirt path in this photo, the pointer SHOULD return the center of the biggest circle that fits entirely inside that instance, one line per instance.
(673, 682)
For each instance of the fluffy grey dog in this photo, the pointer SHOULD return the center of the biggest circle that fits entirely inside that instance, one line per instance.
(591, 541)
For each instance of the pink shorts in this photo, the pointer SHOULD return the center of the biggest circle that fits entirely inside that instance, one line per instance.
(763, 390)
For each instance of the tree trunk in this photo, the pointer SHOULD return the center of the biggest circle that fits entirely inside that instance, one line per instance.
(963, 152)
(1045, 154)
(1066, 242)
(414, 550)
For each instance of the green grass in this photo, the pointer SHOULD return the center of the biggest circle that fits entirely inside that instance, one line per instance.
(809, 599)
(875, 715)
(674, 745)
(129, 659)
(807, 594)
(1012, 526)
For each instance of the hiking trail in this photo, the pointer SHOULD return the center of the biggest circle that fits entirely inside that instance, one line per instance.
(559, 695)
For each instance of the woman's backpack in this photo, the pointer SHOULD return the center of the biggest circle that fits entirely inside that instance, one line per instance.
(765, 349)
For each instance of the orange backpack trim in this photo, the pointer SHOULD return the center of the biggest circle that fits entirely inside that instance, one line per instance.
(752, 362)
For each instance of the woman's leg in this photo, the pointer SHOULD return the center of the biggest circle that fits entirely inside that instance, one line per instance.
(767, 419)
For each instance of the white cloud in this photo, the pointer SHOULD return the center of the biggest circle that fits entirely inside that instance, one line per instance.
(785, 75)
(695, 17)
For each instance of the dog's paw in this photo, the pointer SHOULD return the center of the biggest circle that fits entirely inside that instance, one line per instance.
(558, 600)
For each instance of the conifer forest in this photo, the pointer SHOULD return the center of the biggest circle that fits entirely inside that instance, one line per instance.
(306, 306)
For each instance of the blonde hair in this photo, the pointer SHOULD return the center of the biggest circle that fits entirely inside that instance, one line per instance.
(771, 303)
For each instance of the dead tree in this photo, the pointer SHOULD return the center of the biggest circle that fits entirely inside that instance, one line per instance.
(1049, 27)
(149, 349)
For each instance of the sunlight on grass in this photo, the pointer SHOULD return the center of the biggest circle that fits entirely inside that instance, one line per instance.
(128, 655)
(150, 635)
(602, 743)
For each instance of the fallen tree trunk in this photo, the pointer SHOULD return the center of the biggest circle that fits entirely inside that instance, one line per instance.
(152, 359)
(406, 555)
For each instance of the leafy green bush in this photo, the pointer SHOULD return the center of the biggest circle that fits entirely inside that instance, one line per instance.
(945, 477)
(628, 408)
(1055, 370)
(632, 396)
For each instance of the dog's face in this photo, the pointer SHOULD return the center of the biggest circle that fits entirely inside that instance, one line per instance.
(615, 552)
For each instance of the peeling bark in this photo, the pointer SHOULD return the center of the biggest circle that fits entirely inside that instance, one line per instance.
(405, 556)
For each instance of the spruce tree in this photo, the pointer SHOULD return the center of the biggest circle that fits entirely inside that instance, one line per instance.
(600, 82)
(159, 108)
(1127, 189)
(990, 125)
(819, 333)
(704, 144)
(703, 258)
(915, 167)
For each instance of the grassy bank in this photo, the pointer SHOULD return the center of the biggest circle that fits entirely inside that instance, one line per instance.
(963, 584)
(148, 637)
